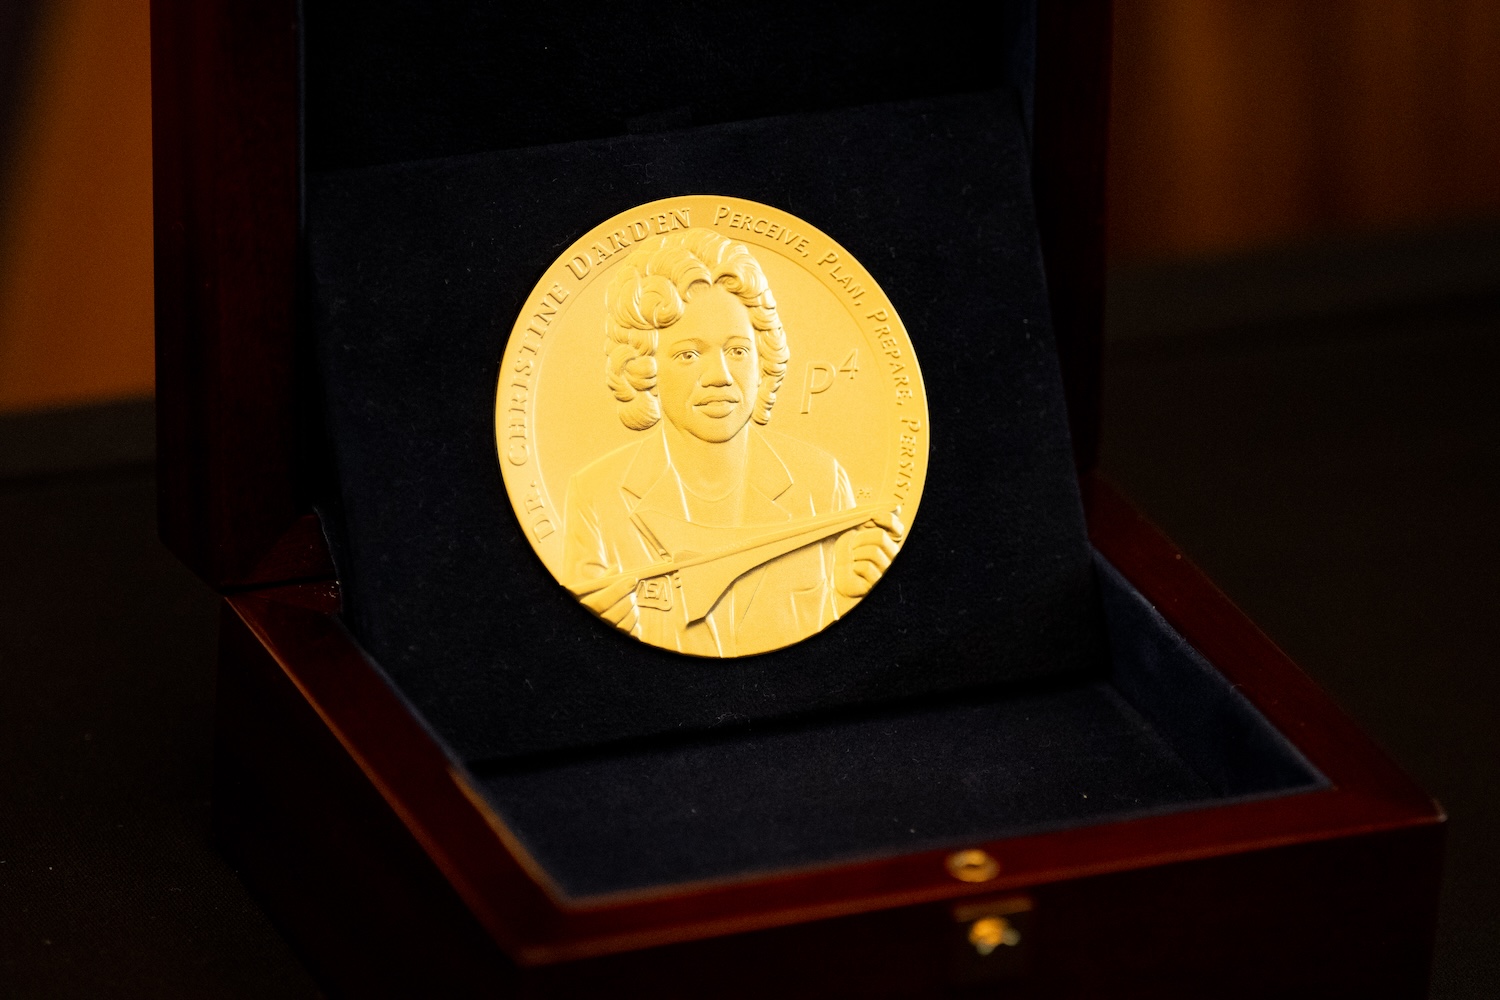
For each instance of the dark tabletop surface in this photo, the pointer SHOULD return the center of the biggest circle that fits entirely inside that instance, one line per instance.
(1337, 477)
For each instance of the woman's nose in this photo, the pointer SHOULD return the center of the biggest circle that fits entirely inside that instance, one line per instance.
(716, 370)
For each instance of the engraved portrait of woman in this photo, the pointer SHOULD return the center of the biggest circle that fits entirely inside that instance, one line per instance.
(694, 355)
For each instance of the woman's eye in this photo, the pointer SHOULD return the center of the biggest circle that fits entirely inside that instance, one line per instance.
(687, 356)
(738, 352)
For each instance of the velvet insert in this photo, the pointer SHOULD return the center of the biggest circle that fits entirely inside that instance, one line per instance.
(418, 272)
(404, 80)
(1165, 732)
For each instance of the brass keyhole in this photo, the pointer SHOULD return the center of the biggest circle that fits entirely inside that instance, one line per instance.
(972, 866)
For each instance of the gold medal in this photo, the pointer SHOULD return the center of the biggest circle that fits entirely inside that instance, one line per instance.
(711, 426)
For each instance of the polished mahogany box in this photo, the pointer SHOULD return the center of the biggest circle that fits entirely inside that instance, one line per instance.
(1066, 766)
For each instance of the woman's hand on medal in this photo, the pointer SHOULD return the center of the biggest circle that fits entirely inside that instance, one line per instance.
(615, 604)
(863, 554)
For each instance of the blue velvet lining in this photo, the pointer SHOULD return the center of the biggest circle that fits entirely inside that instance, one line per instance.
(1210, 725)
(1165, 732)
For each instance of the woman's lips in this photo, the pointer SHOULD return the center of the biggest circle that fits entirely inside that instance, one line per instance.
(716, 407)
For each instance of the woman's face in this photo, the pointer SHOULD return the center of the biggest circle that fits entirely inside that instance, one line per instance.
(707, 370)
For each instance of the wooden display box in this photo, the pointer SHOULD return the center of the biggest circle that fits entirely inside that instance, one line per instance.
(379, 854)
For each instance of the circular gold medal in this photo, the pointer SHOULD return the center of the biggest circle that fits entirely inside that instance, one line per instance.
(712, 426)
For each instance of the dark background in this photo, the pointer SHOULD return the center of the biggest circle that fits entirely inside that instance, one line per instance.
(1299, 387)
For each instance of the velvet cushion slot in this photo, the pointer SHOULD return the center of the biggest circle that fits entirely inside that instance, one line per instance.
(419, 271)
(1211, 725)
(968, 770)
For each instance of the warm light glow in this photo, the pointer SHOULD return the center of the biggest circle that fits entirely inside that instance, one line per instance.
(75, 216)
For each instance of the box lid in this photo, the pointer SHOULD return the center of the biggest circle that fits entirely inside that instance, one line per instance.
(239, 453)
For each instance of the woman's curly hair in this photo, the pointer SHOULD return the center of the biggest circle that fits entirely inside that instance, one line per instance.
(649, 293)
